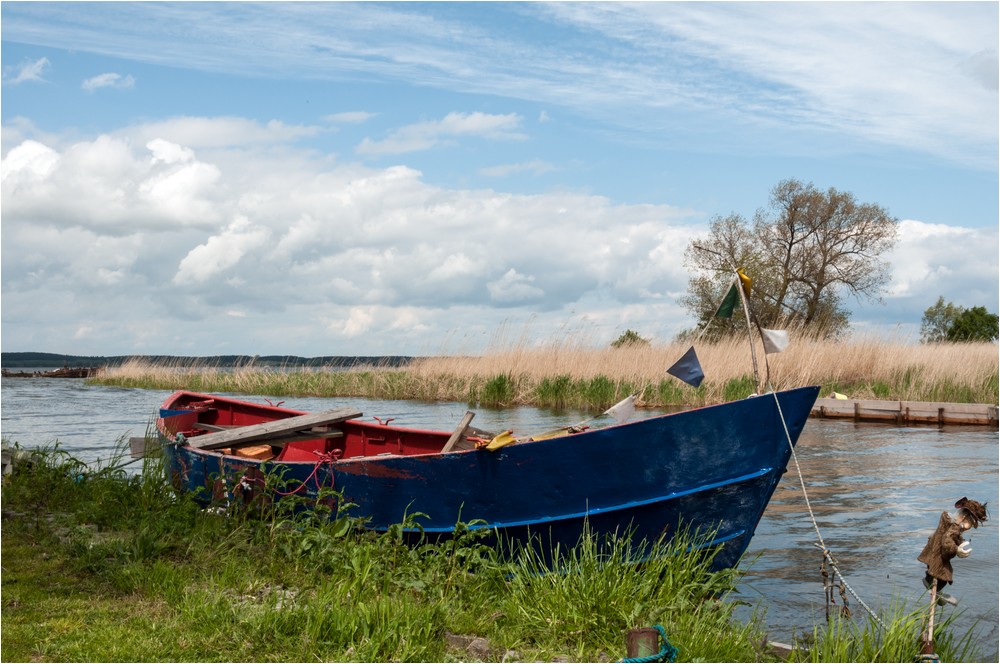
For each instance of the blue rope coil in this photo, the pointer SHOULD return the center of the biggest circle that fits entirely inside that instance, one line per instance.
(668, 653)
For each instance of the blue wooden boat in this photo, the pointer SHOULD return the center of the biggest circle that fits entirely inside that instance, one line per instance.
(713, 468)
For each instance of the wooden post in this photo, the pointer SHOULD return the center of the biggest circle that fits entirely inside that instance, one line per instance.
(928, 645)
(642, 643)
(143, 447)
(758, 386)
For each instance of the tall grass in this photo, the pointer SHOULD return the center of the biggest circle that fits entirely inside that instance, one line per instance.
(104, 566)
(853, 640)
(575, 375)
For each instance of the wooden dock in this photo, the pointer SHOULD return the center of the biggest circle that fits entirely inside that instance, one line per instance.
(907, 412)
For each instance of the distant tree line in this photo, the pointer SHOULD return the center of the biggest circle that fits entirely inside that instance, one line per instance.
(946, 321)
(49, 360)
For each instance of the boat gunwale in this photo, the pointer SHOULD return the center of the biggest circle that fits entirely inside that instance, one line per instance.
(408, 430)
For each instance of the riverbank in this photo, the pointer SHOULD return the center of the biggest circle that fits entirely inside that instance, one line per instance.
(100, 566)
(567, 376)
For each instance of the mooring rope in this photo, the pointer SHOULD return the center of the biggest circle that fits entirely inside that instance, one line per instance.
(812, 516)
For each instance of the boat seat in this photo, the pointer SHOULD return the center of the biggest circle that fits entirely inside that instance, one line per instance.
(303, 450)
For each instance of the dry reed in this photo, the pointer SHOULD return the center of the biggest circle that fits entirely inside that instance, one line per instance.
(573, 374)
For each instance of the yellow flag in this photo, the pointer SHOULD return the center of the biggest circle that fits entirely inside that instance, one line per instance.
(747, 281)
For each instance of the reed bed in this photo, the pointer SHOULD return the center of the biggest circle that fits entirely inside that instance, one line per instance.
(578, 376)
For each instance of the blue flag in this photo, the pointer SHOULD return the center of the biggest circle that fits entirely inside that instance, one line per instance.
(688, 369)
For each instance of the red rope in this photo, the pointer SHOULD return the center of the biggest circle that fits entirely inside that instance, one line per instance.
(323, 458)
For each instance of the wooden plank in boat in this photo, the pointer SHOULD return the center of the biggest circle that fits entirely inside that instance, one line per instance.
(214, 427)
(459, 432)
(276, 430)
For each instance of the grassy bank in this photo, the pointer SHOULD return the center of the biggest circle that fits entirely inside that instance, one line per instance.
(103, 566)
(586, 378)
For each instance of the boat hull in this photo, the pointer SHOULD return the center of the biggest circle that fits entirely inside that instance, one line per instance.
(713, 468)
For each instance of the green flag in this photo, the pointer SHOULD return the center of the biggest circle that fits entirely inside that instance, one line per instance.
(728, 304)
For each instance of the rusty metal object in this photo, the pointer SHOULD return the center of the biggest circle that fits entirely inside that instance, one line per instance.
(642, 642)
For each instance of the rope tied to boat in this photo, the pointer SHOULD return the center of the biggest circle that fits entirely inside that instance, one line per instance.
(668, 652)
(323, 458)
(822, 545)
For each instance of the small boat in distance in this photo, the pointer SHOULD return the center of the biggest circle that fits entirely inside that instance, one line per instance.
(712, 468)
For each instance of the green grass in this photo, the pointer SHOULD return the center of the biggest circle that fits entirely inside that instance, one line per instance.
(844, 640)
(99, 565)
(498, 391)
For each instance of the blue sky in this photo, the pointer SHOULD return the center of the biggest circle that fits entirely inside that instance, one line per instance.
(339, 178)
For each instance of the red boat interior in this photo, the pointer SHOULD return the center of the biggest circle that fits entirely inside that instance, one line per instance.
(342, 440)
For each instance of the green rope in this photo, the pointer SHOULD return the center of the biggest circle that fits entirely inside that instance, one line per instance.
(667, 653)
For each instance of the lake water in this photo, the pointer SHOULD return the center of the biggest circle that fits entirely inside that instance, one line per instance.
(877, 492)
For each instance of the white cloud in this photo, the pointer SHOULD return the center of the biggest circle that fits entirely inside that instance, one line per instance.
(984, 68)
(166, 152)
(358, 322)
(287, 252)
(30, 160)
(109, 80)
(220, 132)
(106, 183)
(28, 71)
(350, 117)
(917, 76)
(788, 65)
(361, 249)
(536, 167)
(931, 261)
(182, 193)
(18, 129)
(220, 252)
(425, 135)
(935, 259)
(514, 287)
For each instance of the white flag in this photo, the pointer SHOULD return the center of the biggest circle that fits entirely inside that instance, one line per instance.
(622, 410)
(775, 341)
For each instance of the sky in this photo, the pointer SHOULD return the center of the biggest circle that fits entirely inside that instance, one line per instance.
(420, 179)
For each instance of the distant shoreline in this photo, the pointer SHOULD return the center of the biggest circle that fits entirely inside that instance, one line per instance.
(35, 360)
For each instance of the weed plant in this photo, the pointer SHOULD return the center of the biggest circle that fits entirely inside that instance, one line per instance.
(851, 640)
(102, 565)
(571, 375)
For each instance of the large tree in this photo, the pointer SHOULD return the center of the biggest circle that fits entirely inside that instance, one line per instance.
(938, 319)
(946, 321)
(975, 324)
(805, 252)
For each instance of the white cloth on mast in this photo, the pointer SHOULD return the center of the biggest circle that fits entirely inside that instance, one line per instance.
(775, 341)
